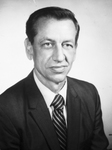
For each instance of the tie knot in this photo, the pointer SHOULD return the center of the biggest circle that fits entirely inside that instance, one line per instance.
(58, 102)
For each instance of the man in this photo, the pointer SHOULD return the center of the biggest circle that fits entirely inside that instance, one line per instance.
(27, 112)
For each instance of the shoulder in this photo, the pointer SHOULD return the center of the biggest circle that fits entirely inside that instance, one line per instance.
(81, 85)
(13, 97)
(13, 91)
(85, 90)
(13, 100)
(17, 89)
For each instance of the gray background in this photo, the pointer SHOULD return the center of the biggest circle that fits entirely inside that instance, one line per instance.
(94, 53)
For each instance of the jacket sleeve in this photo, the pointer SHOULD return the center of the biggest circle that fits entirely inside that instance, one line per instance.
(99, 140)
(9, 138)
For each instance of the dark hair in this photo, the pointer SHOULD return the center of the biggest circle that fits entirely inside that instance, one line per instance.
(49, 12)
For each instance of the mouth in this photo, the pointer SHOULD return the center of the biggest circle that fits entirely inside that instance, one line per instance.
(58, 69)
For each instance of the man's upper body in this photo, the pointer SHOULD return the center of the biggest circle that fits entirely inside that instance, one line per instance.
(25, 117)
(26, 124)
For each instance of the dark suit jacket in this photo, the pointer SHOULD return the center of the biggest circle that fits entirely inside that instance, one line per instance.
(25, 122)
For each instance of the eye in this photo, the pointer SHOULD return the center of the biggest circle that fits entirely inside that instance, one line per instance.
(47, 45)
(68, 45)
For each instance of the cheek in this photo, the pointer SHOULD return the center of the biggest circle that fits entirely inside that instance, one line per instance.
(73, 57)
(70, 57)
(46, 58)
(42, 60)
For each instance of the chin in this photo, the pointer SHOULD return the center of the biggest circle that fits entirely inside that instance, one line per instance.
(59, 79)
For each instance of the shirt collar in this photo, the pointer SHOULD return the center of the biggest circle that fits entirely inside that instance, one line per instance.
(47, 93)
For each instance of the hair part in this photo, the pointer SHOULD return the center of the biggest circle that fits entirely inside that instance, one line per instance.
(49, 12)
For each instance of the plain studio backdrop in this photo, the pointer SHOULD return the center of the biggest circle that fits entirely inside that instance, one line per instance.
(93, 61)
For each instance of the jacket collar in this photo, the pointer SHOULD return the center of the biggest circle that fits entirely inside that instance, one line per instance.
(40, 113)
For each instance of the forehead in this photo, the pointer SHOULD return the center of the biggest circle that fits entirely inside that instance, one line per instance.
(52, 26)
(49, 19)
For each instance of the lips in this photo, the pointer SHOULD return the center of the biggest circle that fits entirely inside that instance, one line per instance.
(58, 69)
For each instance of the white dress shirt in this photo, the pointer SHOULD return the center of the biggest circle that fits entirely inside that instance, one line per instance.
(49, 95)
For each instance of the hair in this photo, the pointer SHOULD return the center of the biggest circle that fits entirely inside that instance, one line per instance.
(49, 12)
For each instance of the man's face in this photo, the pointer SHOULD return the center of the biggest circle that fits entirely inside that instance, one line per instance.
(54, 49)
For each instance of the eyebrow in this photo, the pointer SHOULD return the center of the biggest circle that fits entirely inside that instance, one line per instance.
(69, 41)
(46, 39)
(51, 40)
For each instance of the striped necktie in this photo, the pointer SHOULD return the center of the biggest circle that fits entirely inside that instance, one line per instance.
(59, 120)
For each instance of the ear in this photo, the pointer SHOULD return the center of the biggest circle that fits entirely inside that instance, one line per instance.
(29, 49)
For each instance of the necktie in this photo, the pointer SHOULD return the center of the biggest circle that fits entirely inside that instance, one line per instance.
(59, 120)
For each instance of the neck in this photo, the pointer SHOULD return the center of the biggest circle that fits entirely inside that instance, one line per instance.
(53, 86)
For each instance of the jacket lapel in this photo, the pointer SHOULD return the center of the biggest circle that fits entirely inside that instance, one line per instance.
(40, 112)
(73, 116)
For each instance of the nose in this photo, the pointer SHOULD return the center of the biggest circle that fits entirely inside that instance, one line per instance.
(58, 54)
